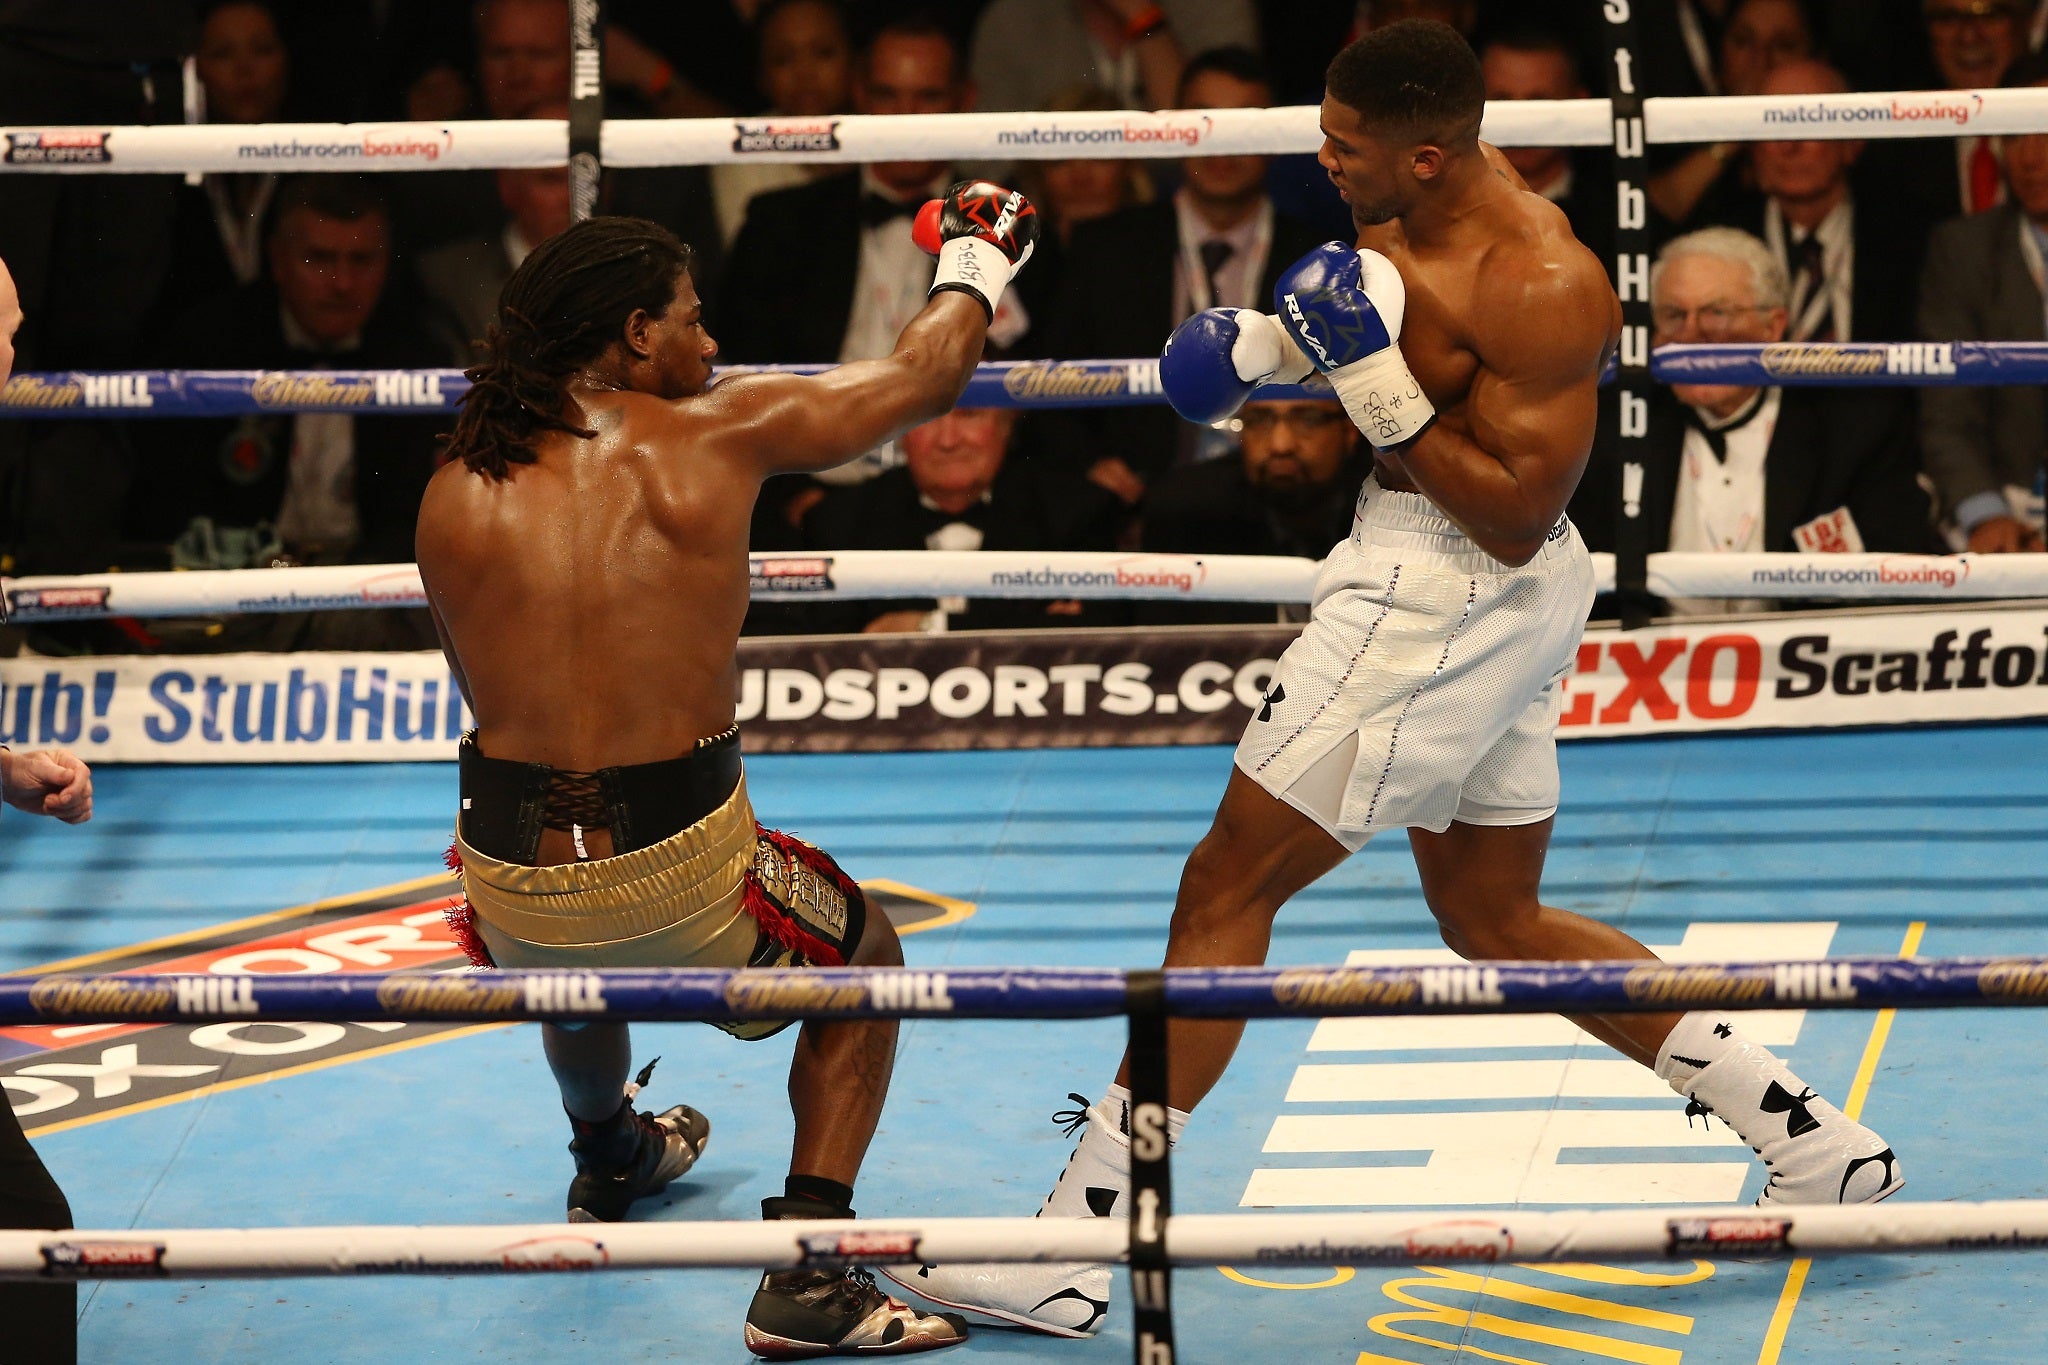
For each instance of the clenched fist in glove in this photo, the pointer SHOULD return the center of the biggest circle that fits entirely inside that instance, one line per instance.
(1343, 307)
(1214, 360)
(982, 235)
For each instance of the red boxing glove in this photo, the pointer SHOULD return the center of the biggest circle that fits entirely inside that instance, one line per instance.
(982, 234)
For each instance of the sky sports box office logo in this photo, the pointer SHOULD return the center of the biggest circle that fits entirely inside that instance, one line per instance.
(785, 135)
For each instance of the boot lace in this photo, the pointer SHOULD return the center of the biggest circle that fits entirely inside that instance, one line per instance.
(1072, 1121)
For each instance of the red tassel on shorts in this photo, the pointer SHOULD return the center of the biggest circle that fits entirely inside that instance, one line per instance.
(461, 917)
(775, 921)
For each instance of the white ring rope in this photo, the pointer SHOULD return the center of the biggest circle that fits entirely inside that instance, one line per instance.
(1255, 1239)
(1028, 135)
(1094, 575)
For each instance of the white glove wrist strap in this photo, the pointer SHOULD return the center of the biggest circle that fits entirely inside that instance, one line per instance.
(1385, 402)
(1265, 353)
(977, 266)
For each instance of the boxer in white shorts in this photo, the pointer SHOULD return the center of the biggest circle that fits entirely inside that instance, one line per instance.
(1465, 333)
(1425, 688)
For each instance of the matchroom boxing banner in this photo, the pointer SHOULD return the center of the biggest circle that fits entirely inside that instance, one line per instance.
(1195, 685)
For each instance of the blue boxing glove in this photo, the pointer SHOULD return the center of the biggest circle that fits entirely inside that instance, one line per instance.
(1344, 307)
(1214, 360)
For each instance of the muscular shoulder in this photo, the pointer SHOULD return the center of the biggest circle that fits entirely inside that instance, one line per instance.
(1542, 299)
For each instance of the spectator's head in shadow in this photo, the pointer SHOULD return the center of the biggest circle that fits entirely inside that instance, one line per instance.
(1975, 42)
(1528, 63)
(1719, 284)
(1806, 178)
(536, 198)
(911, 66)
(954, 460)
(1462, 15)
(1081, 189)
(806, 57)
(241, 62)
(330, 253)
(1295, 449)
(522, 55)
(1762, 35)
(1225, 189)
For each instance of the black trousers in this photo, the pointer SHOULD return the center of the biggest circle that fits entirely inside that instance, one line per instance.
(38, 1322)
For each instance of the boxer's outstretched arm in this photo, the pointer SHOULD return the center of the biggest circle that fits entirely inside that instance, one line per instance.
(795, 423)
(1543, 335)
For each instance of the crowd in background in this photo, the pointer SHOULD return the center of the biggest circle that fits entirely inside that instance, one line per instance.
(1937, 238)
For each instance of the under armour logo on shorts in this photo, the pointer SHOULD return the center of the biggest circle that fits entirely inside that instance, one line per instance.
(1278, 694)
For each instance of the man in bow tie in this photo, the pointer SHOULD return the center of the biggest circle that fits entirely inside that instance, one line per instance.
(1739, 469)
(854, 289)
(828, 270)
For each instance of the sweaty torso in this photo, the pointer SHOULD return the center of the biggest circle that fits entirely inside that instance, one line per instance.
(592, 600)
(1456, 289)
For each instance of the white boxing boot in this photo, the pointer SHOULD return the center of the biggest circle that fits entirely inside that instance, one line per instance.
(1062, 1299)
(1814, 1152)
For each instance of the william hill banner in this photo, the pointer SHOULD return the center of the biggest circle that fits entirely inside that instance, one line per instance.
(1195, 685)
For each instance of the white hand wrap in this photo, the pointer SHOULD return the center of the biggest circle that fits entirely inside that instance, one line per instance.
(982, 268)
(1264, 353)
(1385, 402)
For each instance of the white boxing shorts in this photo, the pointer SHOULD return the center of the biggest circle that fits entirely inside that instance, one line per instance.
(1426, 686)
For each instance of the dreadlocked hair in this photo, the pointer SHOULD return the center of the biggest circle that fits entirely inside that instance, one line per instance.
(562, 307)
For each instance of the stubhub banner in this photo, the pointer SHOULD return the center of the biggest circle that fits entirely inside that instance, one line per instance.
(1195, 685)
(235, 708)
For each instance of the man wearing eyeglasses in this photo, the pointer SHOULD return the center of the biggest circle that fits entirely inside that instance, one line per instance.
(1287, 490)
(336, 486)
(1738, 469)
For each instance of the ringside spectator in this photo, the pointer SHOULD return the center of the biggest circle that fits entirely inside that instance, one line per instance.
(827, 271)
(1289, 490)
(806, 72)
(1738, 469)
(1975, 44)
(336, 487)
(957, 489)
(1985, 447)
(1760, 36)
(1853, 258)
(1025, 51)
(1130, 278)
(244, 72)
(461, 279)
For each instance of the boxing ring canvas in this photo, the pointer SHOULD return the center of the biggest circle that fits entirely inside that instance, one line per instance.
(1931, 840)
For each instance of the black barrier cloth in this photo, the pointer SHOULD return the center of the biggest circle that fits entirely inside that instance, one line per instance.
(1001, 690)
(1628, 402)
(1151, 1172)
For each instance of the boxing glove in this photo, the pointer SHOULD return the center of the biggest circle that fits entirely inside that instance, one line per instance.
(1214, 360)
(1343, 307)
(982, 234)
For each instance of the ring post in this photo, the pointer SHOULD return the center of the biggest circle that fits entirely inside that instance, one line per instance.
(1151, 1177)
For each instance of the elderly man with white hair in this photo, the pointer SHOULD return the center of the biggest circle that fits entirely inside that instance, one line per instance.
(1740, 469)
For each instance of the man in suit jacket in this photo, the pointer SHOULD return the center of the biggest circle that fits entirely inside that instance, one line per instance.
(1849, 244)
(335, 486)
(826, 272)
(1739, 469)
(1132, 277)
(463, 278)
(1984, 447)
(959, 489)
(1976, 45)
